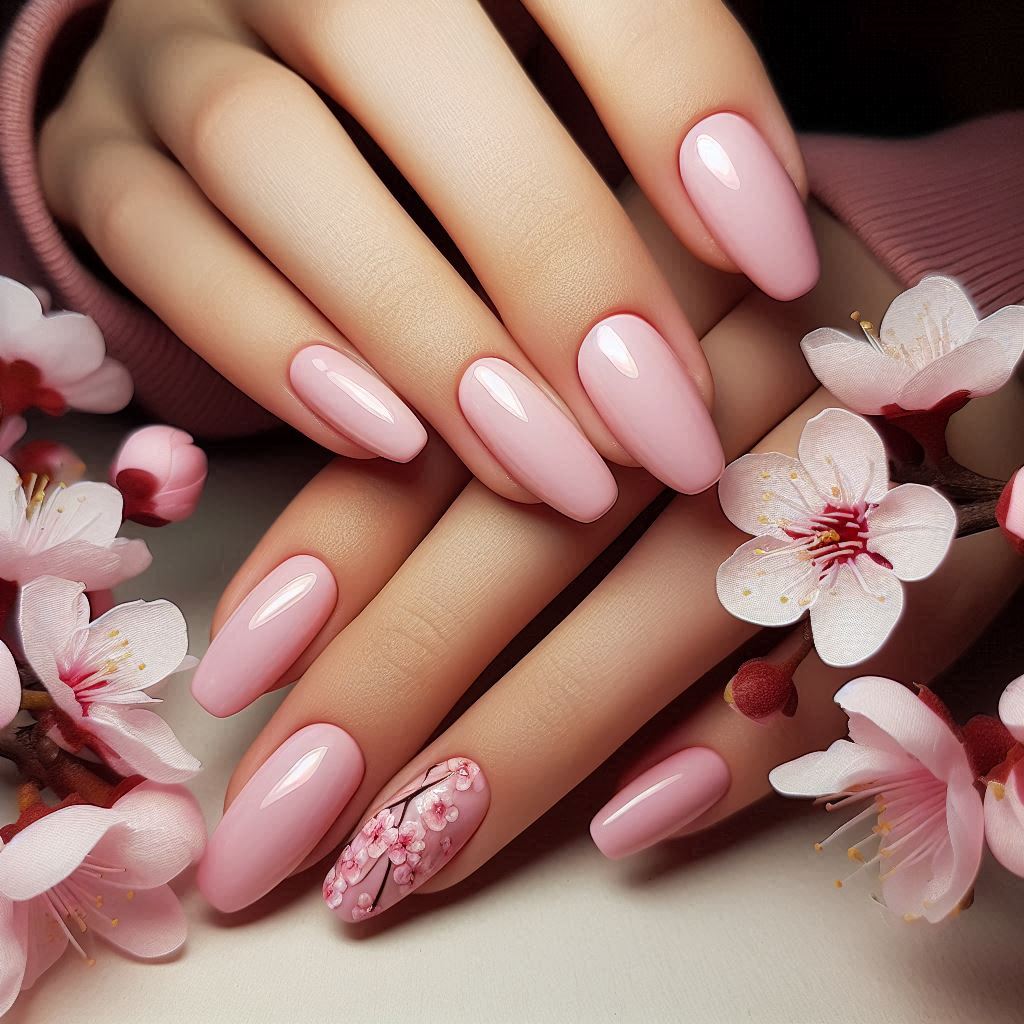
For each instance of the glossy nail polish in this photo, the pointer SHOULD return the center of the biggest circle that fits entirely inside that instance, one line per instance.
(749, 204)
(539, 446)
(408, 839)
(280, 815)
(356, 403)
(265, 634)
(650, 403)
(660, 802)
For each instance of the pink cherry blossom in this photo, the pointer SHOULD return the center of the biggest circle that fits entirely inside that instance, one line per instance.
(65, 531)
(931, 346)
(96, 672)
(1004, 792)
(161, 474)
(55, 361)
(405, 875)
(408, 844)
(353, 860)
(379, 833)
(905, 759)
(465, 772)
(437, 808)
(82, 869)
(334, 888)
(830, 537)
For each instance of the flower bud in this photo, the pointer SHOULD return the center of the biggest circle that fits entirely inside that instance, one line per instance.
(1010, 511)
(160, 473)
(50, 459)
(761, 690)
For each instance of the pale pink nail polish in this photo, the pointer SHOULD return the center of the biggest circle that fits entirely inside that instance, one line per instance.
(266, 633)
(650, 403)
(662, 800)
(539, 446)
(356, 403)
(408, 839)
(749, 204)
(280, 815)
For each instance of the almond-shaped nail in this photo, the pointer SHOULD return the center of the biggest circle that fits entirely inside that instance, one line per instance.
(650, 403)
(749, 204)
(408, 839)
(356, 403)
(660, 802)
(266, 633)
(539, 446)
(280, 815)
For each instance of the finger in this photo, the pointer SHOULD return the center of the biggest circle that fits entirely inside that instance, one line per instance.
(554, 250)
(326, 556)
(685, 98)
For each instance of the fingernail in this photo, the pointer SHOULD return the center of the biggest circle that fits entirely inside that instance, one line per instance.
(749, 204)
(661, 801)
(280, 815)
(266, 633)
(650, 403)
(408, 839)
(537, 444)
(356, 403)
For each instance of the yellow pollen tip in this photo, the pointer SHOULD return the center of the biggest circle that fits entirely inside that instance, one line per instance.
(113, 633)
(818, 848)
(839, 883)
(911, 918)
(855, 316)
(130, 895)
(998, 790)
(855, 855)
(90, 962)
(114, 922)
(142, 666)
(727, 693)
(98, 901)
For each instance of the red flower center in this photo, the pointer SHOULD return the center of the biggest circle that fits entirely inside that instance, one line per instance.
(21, 388)
(835, 537)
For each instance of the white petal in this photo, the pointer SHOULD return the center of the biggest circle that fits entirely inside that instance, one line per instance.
(51, 611)
(64, 346)
(1004, 822)
(10, 687)
(758, 585)
(977, 367)
(1011, 709)
(835, 770)
(11, 511)
(90, 512)
(854, 617)
(936, 307)
(844, 457)
(912, 529)
(107, 389)
(19, 310)
(143, 742)
(1006, 327)
(760, 492)
(854, 370)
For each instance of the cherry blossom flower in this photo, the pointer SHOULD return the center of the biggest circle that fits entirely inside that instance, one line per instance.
(408, 844)
(1004, 792)
(160, 473)
(379, 833)
(437, 809)
(931, 347)
(405, 876)
(334, 888)
(82, 869)
(67, 531)
(54, 362)
(353, 860)
(830, 537)
(465, 772)
(905, 759)
(95, 673)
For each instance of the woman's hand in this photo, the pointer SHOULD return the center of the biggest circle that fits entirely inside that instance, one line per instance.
(647, 632)
(199, 153)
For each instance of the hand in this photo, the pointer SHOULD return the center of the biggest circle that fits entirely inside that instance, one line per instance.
(646, 633)
(197, 152)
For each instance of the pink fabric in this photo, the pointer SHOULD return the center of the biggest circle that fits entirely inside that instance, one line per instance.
(950, 203)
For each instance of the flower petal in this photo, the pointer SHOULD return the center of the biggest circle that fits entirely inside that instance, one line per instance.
(19, 310)
(835, 770)
(766, 582)
(48, 850)
(107, 389)
(1004, 821)
(64, 346)
(90, 511)
(51, 611)
(853, 618)
(10, 483)
(909, 721)
(844, 457)
(934, 308)
(854, 370)
(13, 946)
(45, 943)
(10, 687)
(1006, 327)
(141, 741)
(1011, 709)
(760, 492)
(978, 366)
(151, 924)
(912, 529)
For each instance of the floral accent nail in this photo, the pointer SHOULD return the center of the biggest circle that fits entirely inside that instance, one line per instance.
(408, 840)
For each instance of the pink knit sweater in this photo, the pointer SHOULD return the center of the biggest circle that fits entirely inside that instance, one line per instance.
(950, 203)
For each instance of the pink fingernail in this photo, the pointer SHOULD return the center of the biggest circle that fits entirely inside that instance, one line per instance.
(408, 840)
(650, 403)
(749, 203)
(536, 443)
(266, 633)
(356, 403)
(280, 815)
(658, 803)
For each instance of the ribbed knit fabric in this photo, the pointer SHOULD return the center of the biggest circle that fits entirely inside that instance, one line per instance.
(950, 203)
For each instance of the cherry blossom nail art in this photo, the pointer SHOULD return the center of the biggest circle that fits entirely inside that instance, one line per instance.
(409, 839)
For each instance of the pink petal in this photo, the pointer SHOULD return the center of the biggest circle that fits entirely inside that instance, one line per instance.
(44, 941)
(107, 389)
(937, 303)
(1006, 327)
(1011, 709)
(912, 528)
(92, 512)
(12, 430)
(149, 925)
(979, 366)
(777, 598)
(851, 623)
(13, 947)
(10, 483)
(835, 770)
(758, 490)
(844, 458)
(909, 721)
(1004, 822)
(64, 346)
(50, 849)
(854, 371)
(143, 742)
(19, 309)
(10, 687)
(50, 612)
